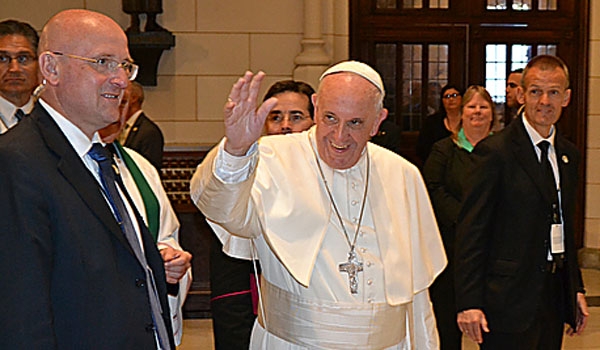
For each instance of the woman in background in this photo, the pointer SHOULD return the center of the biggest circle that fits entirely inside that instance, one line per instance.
(442, 124)
(445, 172)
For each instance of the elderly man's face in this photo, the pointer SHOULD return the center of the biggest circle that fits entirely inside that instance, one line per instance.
(88, 93)
(290, 114)
(347, 117)
(18, 69)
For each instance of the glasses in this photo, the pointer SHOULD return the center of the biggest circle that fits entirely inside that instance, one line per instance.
(23, 59)
(449, 96)
(292, 117)
(513, 85)
(106, 65)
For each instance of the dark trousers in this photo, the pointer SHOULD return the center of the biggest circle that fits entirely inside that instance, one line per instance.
(443, 298)
(547, 329)
(231, 299)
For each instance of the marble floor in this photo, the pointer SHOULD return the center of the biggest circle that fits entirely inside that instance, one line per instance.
(197, 333)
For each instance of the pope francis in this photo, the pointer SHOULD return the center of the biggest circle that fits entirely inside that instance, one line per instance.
(344, 229)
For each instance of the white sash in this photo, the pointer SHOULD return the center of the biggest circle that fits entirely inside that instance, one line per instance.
(327, 325)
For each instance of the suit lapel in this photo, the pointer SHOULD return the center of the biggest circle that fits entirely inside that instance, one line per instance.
(527, 157)
(135, 128)
(77, 174)
(566, 168)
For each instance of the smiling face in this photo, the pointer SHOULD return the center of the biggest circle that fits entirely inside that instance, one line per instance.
(17, 80)
(347, 116)
(477, 114)
(77, 89)
(545, 95)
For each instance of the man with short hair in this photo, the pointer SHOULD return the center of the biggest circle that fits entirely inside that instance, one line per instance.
(343, 228)
(142, 181)
(82, 271)
(287, 116)
(139, 132)
(513, 82)
(517, 281)
(18, 71)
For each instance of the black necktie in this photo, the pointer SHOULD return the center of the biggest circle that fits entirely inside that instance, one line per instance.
(108, 177)
(548, 172)
(19, 114)
(550, 184)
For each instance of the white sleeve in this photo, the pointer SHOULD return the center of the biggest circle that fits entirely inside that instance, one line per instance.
(232, 169)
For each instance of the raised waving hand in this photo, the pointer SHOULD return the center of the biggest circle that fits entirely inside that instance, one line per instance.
(243, 120)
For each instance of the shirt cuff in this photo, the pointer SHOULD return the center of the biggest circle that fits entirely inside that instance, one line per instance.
(233, 169)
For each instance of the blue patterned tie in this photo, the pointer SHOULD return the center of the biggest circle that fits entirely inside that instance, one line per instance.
(108, 177)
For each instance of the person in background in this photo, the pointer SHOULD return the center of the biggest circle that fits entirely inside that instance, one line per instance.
(441, 124)
(512, 96)
(294, 109)
(18, 71)
(142, 181)
(389, 136)
(233, 276)
(82, 269)
(140, 133)
(445, 173)
(517, 278)
(343, 228)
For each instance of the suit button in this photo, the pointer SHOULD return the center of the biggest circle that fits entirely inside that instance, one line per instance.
(150, 328)
(140, 283)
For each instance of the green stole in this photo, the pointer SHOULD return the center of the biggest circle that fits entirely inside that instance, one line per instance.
(150, 201)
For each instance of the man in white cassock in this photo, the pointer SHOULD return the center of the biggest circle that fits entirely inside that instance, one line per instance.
(344, 229)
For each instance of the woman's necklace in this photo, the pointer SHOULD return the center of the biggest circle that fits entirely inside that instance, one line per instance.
(353, 265)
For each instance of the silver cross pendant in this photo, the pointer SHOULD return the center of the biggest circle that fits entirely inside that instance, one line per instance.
(352, 267)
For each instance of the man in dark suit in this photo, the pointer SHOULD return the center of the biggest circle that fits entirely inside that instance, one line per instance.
(140, 133)
(70, 277)
(517, 277)
(18, 71)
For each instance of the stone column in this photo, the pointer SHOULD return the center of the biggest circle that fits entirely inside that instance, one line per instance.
(313, 60)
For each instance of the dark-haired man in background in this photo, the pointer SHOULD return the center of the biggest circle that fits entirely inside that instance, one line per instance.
(18, 71)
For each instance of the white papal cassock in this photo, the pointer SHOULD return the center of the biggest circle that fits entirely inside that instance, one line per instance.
(276, 196)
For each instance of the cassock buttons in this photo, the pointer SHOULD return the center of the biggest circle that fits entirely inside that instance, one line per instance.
(140, 283)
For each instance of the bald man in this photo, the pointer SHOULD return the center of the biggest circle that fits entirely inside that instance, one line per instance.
(80, 270)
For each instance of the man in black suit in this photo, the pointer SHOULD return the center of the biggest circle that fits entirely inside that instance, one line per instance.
(70, 277)
(140, 133)
(517, 277)
(18, 71)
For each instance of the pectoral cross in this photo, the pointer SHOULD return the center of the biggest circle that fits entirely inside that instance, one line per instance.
(352, 267)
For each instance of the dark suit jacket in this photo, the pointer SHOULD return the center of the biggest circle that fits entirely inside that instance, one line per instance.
(69, 279)
(432, 131)
(389, 136)
(146, 138)
(503, 231)
(445, 173)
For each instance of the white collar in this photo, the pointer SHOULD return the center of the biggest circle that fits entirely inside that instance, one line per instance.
(535, 136)
(77, 138)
